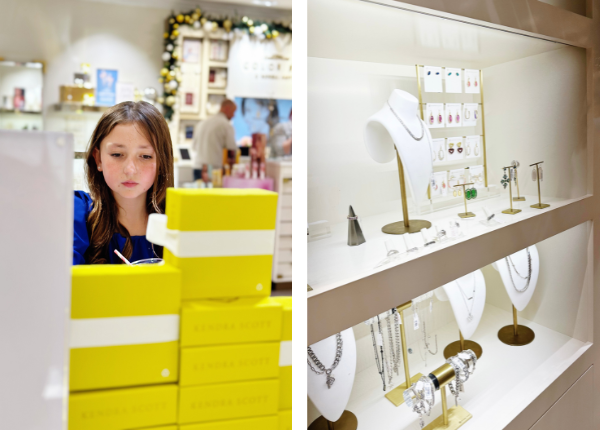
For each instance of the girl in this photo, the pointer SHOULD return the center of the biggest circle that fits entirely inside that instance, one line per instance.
(129, 165)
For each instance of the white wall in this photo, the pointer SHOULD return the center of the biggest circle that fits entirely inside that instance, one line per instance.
(66, 33)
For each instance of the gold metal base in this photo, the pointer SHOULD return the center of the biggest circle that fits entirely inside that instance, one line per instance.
(457, 417)
(518, 199)
(414, 226)
(455, 347)
(511, 211)
(396, 396)
(524, 335)
(540, 206)
(347, 421)
(466, 215)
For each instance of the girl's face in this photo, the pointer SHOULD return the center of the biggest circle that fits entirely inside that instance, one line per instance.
(127, 160)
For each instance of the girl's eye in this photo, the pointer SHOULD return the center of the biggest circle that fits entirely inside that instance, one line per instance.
(115, 155)
(147, 157)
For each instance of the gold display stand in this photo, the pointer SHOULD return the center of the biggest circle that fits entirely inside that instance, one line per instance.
(455, 417)
(467, 214)
(396, 396)
(515, 334)
(461, 345)
(510, 211)
(347, 421)
(519, 198)
(407, 225)
(539, 205)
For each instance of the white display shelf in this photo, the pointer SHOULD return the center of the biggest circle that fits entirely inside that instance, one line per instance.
(345, 277)
(507, 379)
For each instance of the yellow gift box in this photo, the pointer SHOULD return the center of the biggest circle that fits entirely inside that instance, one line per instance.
(229, 363)
(161, 428)
(225, 241)
(286, 302)
(231, 401)
(230, 321)
(285, 420)
(261, 423)
(285, 387)
(124, 326)
(122, 409)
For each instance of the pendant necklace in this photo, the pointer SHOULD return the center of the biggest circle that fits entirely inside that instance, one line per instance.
(388, 320)
(321, 367)
(509, 263)
(384, 355)
(466, 299)
(377, 361)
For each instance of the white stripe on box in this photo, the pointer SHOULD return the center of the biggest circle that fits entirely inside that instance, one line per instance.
(97, 332)
(285, 353)
(221, 243)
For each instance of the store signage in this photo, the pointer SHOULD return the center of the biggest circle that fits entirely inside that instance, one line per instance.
(106, 87)
(261, 68)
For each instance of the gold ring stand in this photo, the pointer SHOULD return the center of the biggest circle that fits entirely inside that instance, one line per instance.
(407, 225)
(467, 214)
(461, 345)
(539, 205)
(396, 396)
(455, 417)
(510, 211)
(347, 421)
(515, 334)
(519, 198)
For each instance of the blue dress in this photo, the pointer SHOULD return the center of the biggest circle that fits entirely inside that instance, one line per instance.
(83, 205)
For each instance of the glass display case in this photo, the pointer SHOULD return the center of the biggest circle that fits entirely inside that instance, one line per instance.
(21, 86)
(462, 151)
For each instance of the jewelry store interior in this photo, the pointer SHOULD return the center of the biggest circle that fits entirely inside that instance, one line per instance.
(170, 342)
(450, 237)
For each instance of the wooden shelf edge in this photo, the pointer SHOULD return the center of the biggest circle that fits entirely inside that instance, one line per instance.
(337, 309)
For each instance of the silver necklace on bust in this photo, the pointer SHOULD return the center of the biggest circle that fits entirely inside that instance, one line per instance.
(529, 271)
(322, 368)
(466, 298)
(405, 127)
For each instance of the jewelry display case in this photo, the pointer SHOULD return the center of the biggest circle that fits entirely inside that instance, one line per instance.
(520, 254)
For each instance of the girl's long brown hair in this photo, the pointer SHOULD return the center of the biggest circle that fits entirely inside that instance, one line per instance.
(103, 220)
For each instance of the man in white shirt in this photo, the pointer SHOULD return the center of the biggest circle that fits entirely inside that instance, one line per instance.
(211, 137)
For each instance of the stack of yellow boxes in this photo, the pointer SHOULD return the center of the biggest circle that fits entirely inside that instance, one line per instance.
(226, 364)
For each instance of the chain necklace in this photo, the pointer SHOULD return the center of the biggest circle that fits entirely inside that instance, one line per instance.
(379, 366)
(466, 299)
(398, 340)
(529, 271)
(405, 127)
(338, 356)
(383, 353)
(388, 321)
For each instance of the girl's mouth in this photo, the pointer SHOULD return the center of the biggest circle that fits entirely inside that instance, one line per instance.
(129, 184)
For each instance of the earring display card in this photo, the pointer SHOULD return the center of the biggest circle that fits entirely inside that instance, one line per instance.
(456, 149)
(453, 115)
(433, 79)
(472, 81)
(476, 176)
(473, 146)
(439, 150)
(453, 80)
(470, 114)
(439, 184)
(434, 116)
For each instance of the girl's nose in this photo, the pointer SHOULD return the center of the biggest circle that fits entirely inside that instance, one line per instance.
(130, 166)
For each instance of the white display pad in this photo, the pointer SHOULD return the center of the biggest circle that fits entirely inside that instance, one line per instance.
(36, 231)
(472, 84)
(434, 115)
(473, 146)
(432, 79)
(455, 149)
(331, 402)
(439, 150)
(467, 308)
(384, 132)
(439, 184)
(519, 299)
(471, 114)
(453, 79)
(453, 114)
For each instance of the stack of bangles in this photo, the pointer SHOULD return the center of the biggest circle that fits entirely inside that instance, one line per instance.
(420, 396)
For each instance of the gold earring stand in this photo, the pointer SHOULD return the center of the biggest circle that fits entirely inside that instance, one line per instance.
(462, 344)
(467, 214)
(347, 421)
(519, 198)
(515, 334)
(396, 396)
(538, 205)
(510, 211)
(455, 417)
(407, 225)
